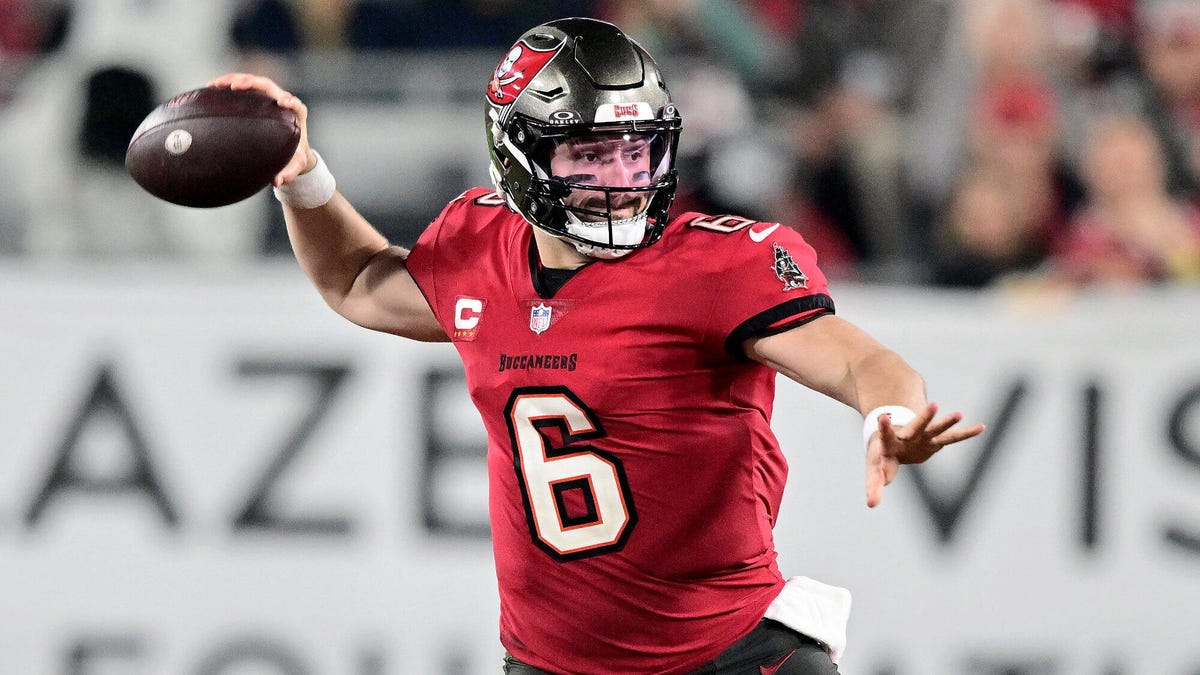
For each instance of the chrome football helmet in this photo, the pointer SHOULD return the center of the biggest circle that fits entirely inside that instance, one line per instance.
(579, 80)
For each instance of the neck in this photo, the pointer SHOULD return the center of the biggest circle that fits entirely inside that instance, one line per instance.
(556, 253)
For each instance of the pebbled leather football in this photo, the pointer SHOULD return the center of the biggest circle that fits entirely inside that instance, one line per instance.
(212, 146)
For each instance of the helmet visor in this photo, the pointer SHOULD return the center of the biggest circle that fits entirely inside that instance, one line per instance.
(607, 176)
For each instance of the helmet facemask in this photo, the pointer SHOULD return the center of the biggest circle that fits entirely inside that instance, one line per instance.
(603, 190)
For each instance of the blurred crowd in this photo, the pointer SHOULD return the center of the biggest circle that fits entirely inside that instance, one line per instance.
(957, 143)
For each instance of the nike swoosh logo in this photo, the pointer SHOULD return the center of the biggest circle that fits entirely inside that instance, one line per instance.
(774, 667)
(758, 235)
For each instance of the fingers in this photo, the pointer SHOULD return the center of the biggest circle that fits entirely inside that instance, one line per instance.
(875, 486)
(941, 432)
(912, 429)
(299, 163)
(874, 491)
(923, 417)
(912, 443)
(936, 427)
(250, 81)
(958, 435)
(880, 473)
(304, 159)
(887, 432)
(224, 80)
(933, 431)
(918, 424)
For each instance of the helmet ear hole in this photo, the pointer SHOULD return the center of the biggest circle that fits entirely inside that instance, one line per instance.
(520, 135)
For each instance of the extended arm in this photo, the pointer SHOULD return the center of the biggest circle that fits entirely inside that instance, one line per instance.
(356, 271)
(836, 358)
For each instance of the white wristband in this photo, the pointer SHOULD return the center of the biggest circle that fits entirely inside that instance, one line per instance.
(900, 417)
(310, 189)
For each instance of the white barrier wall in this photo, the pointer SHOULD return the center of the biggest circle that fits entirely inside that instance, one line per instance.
(210, 473)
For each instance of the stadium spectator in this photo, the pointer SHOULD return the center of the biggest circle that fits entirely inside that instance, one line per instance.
(29, 29)
(719, 54)
(1091, 40)
(997, 104)
(32, 27)
(1131, 230)
(849, 88)
(1168, 85)
(825, 86)
(983, 238)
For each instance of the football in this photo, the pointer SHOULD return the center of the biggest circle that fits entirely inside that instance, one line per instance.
(212, 146)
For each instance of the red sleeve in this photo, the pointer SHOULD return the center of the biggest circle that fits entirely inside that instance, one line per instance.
(427, 262)
(766, 281)
(420, 262)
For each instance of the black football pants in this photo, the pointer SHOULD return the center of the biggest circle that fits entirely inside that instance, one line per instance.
(770, 645)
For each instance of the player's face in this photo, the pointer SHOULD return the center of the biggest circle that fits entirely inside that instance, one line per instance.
(614, 160)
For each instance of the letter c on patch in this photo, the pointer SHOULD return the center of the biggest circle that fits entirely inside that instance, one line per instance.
(467, 312)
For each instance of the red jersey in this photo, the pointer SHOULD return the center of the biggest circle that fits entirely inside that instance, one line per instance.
(634, 478)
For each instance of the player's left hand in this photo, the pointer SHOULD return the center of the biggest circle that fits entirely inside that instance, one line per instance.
(912, 443)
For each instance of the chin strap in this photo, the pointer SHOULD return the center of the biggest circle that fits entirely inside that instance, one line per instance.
(625, 232)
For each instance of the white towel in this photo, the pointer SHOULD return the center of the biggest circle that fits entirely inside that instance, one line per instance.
(817, 610)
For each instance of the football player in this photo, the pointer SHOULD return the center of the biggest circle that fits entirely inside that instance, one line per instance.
(624, 362)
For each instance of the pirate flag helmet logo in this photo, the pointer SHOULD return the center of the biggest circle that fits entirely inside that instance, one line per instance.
(516, 71)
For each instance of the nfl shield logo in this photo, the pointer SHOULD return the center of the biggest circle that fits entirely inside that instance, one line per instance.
(539, 318)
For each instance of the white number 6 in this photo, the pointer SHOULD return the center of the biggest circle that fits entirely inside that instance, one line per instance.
(576, 496)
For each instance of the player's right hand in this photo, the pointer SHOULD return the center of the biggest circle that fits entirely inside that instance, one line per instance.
(304, 159)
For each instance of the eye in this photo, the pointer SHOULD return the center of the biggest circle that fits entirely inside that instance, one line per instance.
(589, 156)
